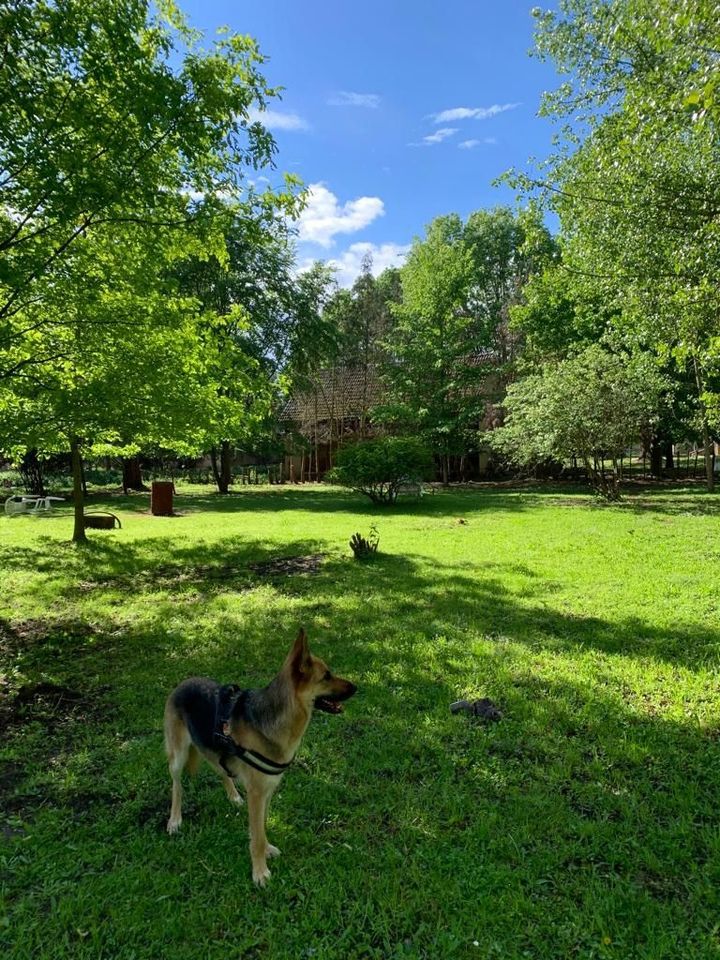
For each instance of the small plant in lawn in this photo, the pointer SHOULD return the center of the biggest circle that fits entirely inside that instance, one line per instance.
(364, 548)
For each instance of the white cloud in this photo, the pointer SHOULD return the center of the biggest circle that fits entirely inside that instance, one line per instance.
(439, 136)
(346, 98)
(347, 264)
(477, 113)
(276, 120)
(470, 144)
(323, 217)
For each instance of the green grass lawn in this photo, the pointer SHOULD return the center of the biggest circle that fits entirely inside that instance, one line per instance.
(586, 823)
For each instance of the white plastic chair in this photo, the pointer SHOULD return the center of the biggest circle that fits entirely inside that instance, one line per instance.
(16, 505)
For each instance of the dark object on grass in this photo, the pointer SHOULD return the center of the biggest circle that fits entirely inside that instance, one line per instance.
(286, 566)
(161, 498)
(485, 709)
(101, 521)
(362, 547)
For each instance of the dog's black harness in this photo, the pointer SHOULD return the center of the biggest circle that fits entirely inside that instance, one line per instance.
(228, 699)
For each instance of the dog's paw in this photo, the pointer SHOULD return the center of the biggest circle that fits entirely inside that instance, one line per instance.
(173, 825)
(261, 875)
(237, 800)
(271, 851)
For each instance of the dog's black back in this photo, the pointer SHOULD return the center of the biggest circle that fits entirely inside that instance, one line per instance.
(203, 704)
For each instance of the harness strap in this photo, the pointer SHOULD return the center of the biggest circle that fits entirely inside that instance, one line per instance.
(227, 747)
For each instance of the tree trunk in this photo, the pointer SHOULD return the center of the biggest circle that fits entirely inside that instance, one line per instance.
(132, 475)
(708, 454)
(668, 454)
(707, 443)
(446, 469)
(656, 452)
(79, 527)
(213, 461)
(223, 477)
(31, 473)
(607, 486)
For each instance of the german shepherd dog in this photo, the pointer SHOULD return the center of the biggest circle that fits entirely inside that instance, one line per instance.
(250, 734)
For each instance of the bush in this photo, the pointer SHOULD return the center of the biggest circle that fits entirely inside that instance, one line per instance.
(592, 406)
(379, 468)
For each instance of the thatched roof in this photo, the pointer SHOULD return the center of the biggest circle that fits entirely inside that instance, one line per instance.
(335, 394)
(345, 393)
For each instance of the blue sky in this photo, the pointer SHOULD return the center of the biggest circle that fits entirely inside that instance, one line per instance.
(366, 84)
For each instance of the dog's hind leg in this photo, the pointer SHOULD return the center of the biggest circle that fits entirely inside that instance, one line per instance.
(177, 746)
(193, 760)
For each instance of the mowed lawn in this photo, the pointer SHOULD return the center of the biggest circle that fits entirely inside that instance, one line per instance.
(586, 823)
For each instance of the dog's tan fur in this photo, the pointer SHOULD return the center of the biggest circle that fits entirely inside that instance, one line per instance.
(302, 678)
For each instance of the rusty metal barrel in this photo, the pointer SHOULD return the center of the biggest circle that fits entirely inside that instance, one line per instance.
(161, 498)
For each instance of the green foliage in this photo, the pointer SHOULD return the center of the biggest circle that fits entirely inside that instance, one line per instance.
(111, 115)
(365, 548)
(124, 146)
(636, 180)
(592, 406)
(380, 467)
(552, 319)
(452, 334)
(363, 316)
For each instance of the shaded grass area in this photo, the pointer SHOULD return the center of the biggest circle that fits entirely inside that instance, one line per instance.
(586, 823)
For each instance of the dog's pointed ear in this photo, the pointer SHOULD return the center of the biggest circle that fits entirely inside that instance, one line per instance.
(299, 656)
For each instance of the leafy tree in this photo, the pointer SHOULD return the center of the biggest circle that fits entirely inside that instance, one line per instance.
(112, 115)
(552, 320)
(123, 150)
(592, 406)
(363, 316)
(636, 182)
(260, 313)
(135, 375)
(362, 319)
(452, 327)
(381, 466)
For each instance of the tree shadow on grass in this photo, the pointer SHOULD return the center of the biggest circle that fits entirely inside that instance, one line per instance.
(404, 594)
(154, 564)
(399, 592)
(583, 811)
(318, 498)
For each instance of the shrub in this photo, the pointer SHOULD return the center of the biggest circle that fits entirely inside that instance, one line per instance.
(379, 468)
(592, 406)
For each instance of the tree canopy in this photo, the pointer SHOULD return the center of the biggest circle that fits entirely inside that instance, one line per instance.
(125, 145)
(635, 182)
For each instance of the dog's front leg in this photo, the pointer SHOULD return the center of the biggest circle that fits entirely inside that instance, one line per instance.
(270, 850)
(258, 840)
